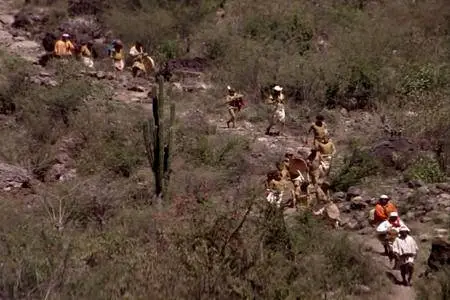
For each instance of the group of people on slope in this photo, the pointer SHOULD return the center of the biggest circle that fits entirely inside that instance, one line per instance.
(399, 245)
(235, 103)
(310, 173)
(395, 236)
(142, 63)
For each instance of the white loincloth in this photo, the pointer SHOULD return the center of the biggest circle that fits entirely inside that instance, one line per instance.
(326, 163)
(119, 64)
(274, 197)
(87, 61)
(279, 115)
(300, 177)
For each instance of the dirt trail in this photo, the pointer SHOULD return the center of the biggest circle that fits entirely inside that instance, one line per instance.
(375, 249)
(30, 51)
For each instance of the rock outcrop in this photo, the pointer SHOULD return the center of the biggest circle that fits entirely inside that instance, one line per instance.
(13, 177)
(397, 153)
(440, 255)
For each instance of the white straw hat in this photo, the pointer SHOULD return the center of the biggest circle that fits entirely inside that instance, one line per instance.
(278, 88)
(393, 214)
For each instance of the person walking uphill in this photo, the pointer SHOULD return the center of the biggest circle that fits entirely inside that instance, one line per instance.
(405, 250)
(86, 55)
(64, 47)
(382, 210)
(278, 101)
(234, 102)
(142, 62)
(117, 54)
(314, 161)
(319, 130)
(387, 231)
(327, 151)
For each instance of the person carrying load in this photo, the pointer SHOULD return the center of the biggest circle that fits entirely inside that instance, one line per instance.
(319, 129)
(388, 231)
(142, 62)
(234, 102)
(86, 54)
(327, 151)
(278, 101)
(63, 47)
(117, 54)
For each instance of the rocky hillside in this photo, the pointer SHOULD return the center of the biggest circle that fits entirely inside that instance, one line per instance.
(77, 193)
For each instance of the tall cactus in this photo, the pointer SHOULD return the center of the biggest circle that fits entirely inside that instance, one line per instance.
(159, 140)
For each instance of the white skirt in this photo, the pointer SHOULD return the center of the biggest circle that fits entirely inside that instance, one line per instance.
(87, 61)
(274, 197)
(279, 115)
(119, 64)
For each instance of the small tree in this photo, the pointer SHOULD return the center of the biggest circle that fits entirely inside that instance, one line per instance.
(158, 140)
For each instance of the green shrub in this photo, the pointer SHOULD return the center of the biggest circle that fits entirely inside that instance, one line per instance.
(426, 169)
(217, 151)
(417, 79)
(357, 166)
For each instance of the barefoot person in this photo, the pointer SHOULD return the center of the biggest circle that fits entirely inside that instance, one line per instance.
(278, 113)
(327, 151)
(387, 232)
(405, 250)
(275, 188)
(382, 210)
(117, 55)
(319, 130)
(234, 102)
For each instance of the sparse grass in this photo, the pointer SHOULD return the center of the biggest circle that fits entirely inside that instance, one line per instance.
(378, 56)
(436, 289)
(101, 229)
(357, 166)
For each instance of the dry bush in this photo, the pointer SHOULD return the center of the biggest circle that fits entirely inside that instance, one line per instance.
(77, 107)
(188, 249)
(437, 287)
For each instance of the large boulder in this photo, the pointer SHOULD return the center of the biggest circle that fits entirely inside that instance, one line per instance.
(82, 28)
(86, 7)
(31, 19)
(397, 152)
(49, 41)
(13, 177)
(439, 255)
(176, 66)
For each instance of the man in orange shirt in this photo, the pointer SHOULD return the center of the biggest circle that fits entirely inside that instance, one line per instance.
(382, 210)
(63, 46)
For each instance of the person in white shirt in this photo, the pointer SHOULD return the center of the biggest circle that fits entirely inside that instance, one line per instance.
(387, 231)
(405, 250)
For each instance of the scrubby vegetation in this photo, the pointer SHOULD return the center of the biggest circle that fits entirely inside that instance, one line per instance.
(390, 57)
(439, 288)
(358, 166)
(67, 239)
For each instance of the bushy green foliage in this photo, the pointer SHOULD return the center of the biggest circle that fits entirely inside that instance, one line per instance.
(426, 169)
(357, 166)
(109, 139)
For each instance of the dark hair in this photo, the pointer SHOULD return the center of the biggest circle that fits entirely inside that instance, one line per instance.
(313, 154)
(139, 45)
(320, 118)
